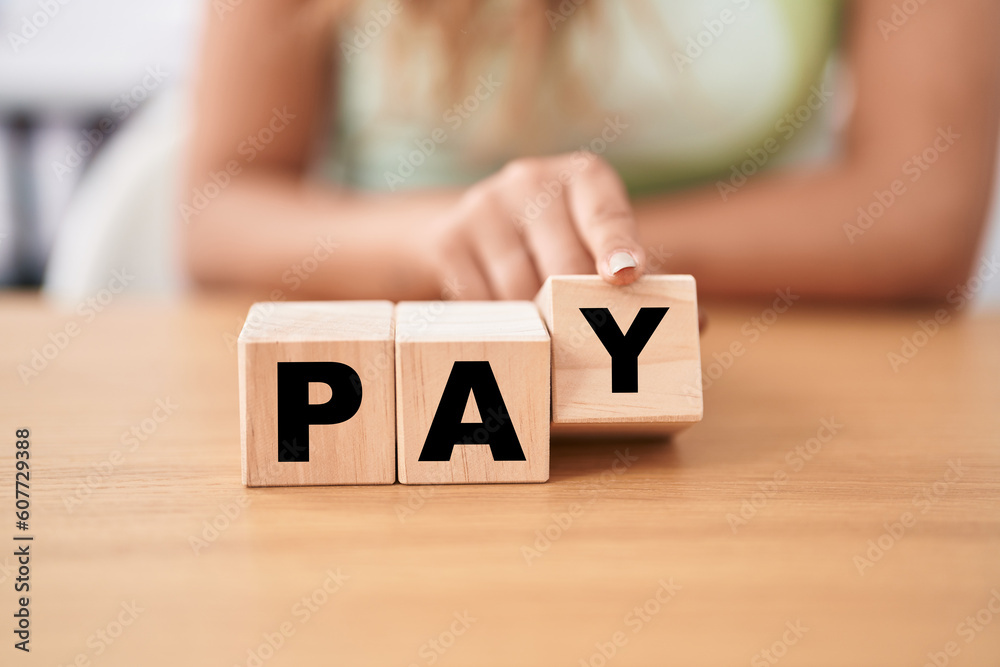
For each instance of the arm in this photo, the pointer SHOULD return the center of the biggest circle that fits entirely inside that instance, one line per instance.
(940, 70)
(271, 55)
(268, 219)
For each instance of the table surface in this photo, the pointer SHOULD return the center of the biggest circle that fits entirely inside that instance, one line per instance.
(750, 537)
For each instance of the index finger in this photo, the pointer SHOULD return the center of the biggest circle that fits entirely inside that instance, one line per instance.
(604, 219)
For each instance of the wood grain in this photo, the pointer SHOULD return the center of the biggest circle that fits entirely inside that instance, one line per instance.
(668, 396)
(359, 334)
(510, 336)
(417, 555)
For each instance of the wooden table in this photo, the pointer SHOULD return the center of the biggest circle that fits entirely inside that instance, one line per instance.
(748, 545)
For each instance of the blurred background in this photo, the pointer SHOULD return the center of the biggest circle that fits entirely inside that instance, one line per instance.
(76, 79)
(92, 121)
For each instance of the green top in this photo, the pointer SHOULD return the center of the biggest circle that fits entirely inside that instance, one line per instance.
(682, 91)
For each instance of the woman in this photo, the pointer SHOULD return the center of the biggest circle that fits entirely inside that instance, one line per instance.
(435, 145)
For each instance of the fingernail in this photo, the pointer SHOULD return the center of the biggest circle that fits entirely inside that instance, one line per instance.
(620, 261)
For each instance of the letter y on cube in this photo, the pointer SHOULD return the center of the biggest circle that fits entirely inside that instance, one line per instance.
(624, 359)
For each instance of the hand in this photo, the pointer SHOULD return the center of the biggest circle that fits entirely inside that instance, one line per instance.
(537, 217)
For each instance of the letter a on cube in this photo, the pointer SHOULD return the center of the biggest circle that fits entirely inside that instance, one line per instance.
(317, 393)
(472, 392)
(627, 358)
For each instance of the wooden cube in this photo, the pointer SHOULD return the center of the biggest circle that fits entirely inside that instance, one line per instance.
(627, 357)
(472, 392)
(317, 394)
